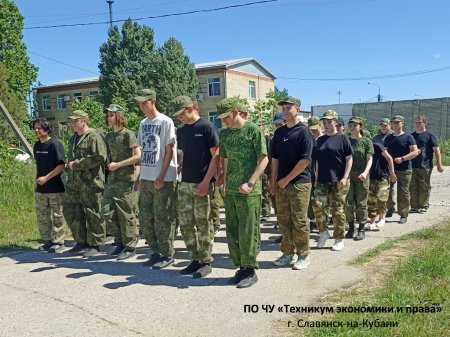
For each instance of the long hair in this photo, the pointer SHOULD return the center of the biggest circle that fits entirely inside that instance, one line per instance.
(121, 120)
(45, 125)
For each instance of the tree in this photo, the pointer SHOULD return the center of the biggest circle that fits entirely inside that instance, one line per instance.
(266, 109)
(94, 109)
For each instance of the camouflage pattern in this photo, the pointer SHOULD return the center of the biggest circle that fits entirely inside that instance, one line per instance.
(157, 216)
(49, 212)
(292, 206)
(195, 223)
(121, 145)
(117, 211)
(214, 215)
(356, 202)
(420, 187)
(334, 195)
(403, 195)
(266, 202)
(391, 197)
(378, 196)
(243, 235)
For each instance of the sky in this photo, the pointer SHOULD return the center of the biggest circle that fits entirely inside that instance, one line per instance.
(306, 44)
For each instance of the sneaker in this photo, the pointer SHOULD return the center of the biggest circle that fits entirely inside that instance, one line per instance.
(414, 210)
(323, 237)
(248, 279)
(380, 224)
(191, 268)
(47, 244)
(402, 220)
(361, 235)
(118, 250)
(203, 271)
(78, 248)
(312, 225)
(164, 262)
(126, 254)
(216, 231)
(264, 219)
(278, 239)
(154, 258)
(285, 259)
(276, 226)
(57, 248)
(92, 251)
(371, 227)
(338, 245)
(302, 263)
(390, 212)
(422, 210)
(237, 276)
(350, 233)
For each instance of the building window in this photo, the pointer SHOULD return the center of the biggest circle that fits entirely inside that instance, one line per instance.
(46, 105)
(252, 89)
(61, 102)
(213, 119)
(93, 93)
(214, 86)
(77, 96)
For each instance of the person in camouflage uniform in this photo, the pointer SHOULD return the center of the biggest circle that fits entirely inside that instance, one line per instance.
(85, 185)
(214, 215)
(244, 153)
(119, 195)
(199, 142)
(266, 202)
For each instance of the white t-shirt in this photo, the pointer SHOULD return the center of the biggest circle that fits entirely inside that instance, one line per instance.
(153, 137)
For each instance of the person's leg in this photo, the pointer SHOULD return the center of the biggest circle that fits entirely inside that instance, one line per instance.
(43, 218)
(75, 216)
(285, 220)
(403, 196)
(299, 200)
(147, 215)
(186, 193)
(164, 210)
(124, 204)
(58, 230)
(424, 187)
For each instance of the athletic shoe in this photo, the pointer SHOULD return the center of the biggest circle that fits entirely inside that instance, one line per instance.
(237, 276)
(92, 251)
(118, 250)
(164, 262)
(278, 239)
(126, 254)
(78, 248)
(338, 245)
(203, 271)
(380, 224)
(302, 263)
(248, 279)
(323, 237)
(191, 268)
(154, 258)
(47, 244)
(422, 210)
(57, 248)
(372, 227)
(403, 220)
(390, 212)
(414, 210)
(361, 235)
(285, 259)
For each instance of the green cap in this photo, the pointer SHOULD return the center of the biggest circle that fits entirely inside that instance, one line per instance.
(330, 114)
(179, 104)
(398, 118)
(226, 106)
(291, 100)
(78, 114)
(314, 123)
(115, 108)
(385, 121)
(356, 119)
(145, 95)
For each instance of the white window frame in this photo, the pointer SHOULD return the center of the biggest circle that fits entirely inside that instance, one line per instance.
(44, 106)
(61, 102)
(213, 83)
(252, 89)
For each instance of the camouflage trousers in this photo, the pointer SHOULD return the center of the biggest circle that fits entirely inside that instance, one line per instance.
(403, 195)
(49, 213)
(214, 215)
(334, 195)
(195, 223)
(292, 206)
(266, 202)
(326, 208)
(390, 202)
(117, 211)
(420, 188)
(157, 216)
(358, 193)
(82, 209)
(242, 224)
(378, 196)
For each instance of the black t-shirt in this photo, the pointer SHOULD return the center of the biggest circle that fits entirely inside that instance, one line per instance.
(195, 141)
(380, 166)
(330, 154)
(398, 146)
(49, 155)
(425, 142)
(289, 146)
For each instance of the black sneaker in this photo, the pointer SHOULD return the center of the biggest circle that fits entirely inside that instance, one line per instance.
(164, 262)
(126, 254)
(414, 210)
(361, 235)
(390, 212)
(92, 251)
(278, 239)
(403, 220)
(237, 277)
(154, 258)
(47, 244)
(118, 250)
(248, 279)
(78, 248)
(191, 268)
(276, 226)
(57, 248)
(203, 271)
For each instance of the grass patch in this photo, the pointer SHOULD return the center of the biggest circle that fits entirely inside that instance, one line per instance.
(413, 270)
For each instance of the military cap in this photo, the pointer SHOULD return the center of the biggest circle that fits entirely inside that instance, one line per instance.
(278, 118)
(330, 114)
(115, 108)
(78, 114)
(290, 100)
(181, 103)
(341, 121)
(226, 106)
(385, 121)
(356, 119)
(145, 95)
(398, 118)
(314, 123)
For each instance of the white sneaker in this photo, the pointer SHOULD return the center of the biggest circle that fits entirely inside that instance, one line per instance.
(302, 263)
(338, 245)
(380, 223)
(372, 227)
(285, 259)
(323, 237)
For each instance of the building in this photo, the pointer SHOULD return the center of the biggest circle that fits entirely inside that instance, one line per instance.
(245, 77)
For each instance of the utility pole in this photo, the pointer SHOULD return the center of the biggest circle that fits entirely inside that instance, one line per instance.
(339, 94)
(379, 94)
(110, 2)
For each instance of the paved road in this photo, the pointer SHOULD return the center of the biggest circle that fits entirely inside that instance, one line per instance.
(59, 295)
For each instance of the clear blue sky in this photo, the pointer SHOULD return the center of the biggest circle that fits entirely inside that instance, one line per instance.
(294, 39)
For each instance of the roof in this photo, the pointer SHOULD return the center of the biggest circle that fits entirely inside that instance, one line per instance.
(228, 64)
(70, 82)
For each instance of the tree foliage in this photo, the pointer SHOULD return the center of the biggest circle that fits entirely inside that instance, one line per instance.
(267, 108)
(94, 109)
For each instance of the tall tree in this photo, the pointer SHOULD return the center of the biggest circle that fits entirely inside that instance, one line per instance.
(267, 108)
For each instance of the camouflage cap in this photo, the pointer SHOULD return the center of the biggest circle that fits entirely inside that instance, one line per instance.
(226, 106)
(145, 95)
(398, 118)
(356, 119)
(341, 121)
(291, 100)
(385, 121)
(330, 114)
(115, 108)
(314, 123)
(77, 114)
(181, 103)
(278, 118)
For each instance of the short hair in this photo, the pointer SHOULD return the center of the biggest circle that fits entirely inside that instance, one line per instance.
(422, 118)
(45, 125)
(121, 120)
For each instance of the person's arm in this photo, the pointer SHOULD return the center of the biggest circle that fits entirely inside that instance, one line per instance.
(348, 167)
(263, 161)
(390, 161)
(224, 175)
(298, 168)
(180, 162)
(203, 187)
(274, 174)
(53, 173)
(363, 176)
(97, 156)
(159, 182)
(437, 153)
(136, 158)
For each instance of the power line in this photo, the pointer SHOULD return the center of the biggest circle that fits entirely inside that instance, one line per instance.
(66, 64)
(157, 16)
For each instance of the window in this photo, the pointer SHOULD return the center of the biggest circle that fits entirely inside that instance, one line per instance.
(77, 96)
(252, 89)
(61, 102)
(46, 105)
(93, 93)
(214, 86)
(213, 119)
